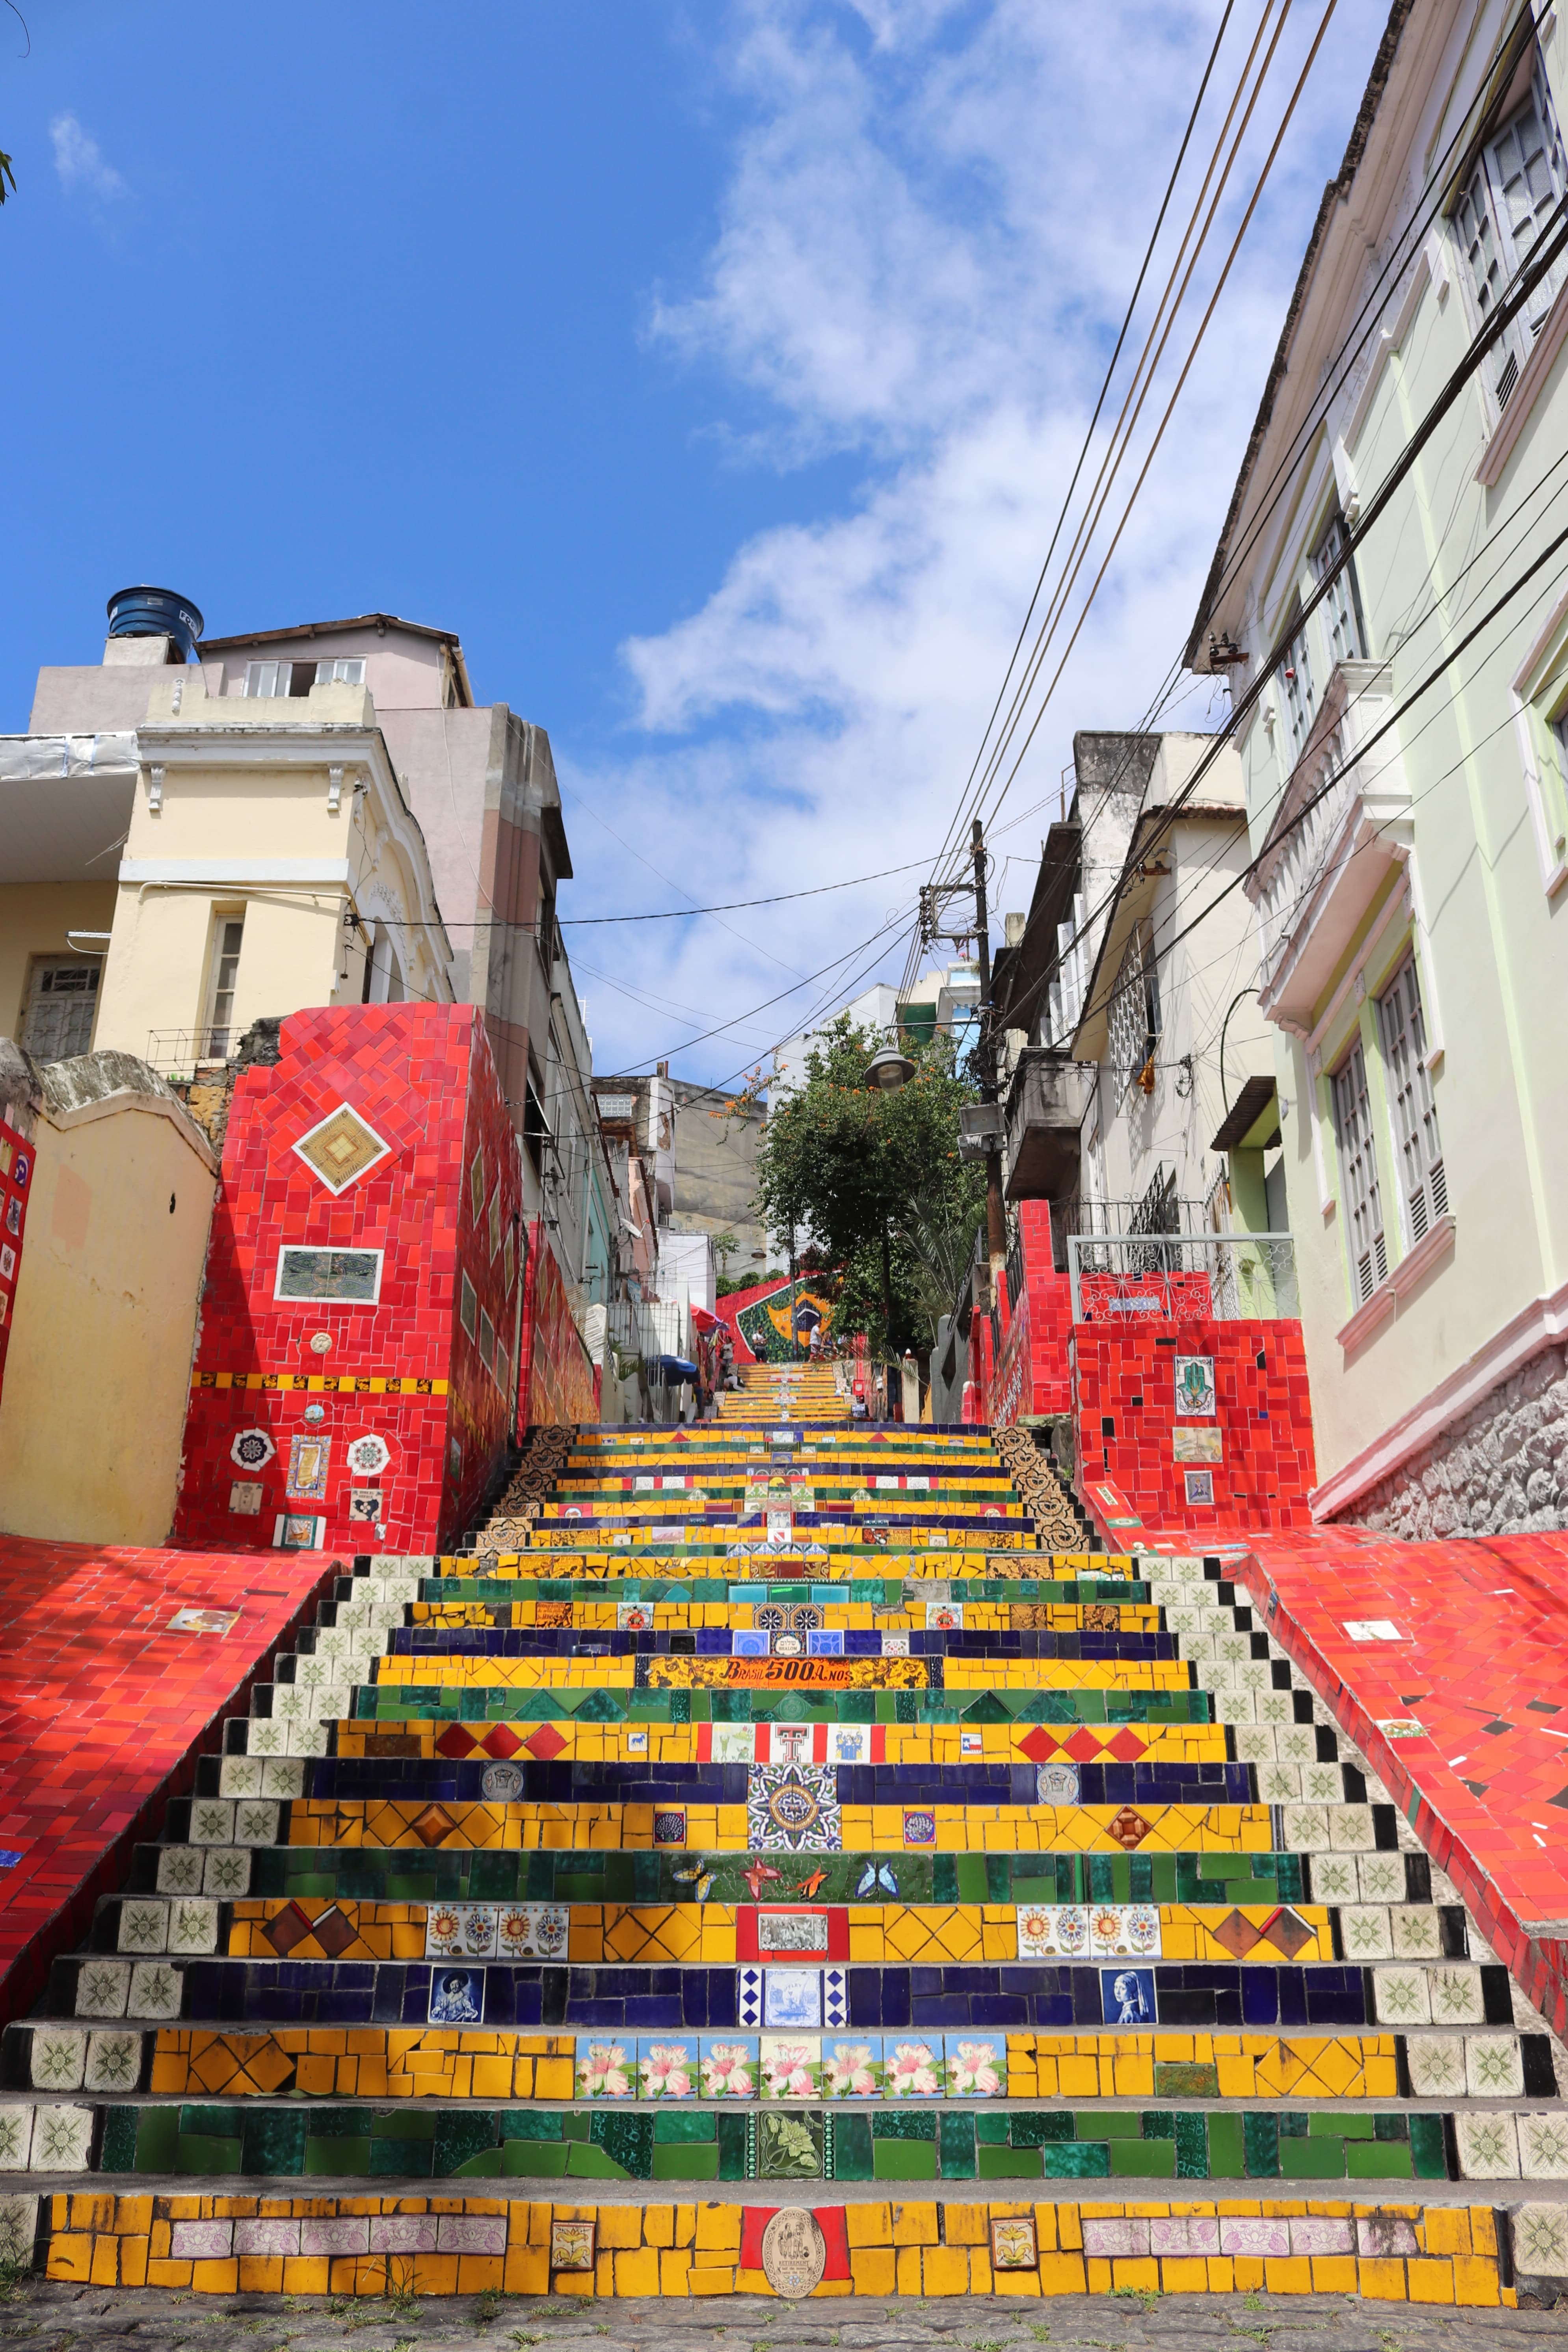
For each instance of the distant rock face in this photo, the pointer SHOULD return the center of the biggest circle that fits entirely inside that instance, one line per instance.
(1503, 1470)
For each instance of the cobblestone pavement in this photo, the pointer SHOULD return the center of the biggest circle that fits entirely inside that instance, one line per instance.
(37, 2316)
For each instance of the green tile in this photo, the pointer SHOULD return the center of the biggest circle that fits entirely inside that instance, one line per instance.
(1192, 2146)
(686, 2161)
(1008, 2163)
(487, 2165)
(119, 2151)
(1084, 2160)
(1293, 2123)
(972, 1881)
(1227, 2159)
(341, 2156)
(1159, 2124)
(904, 2123)
(1152, 2159)
(991, 2129)
(904, 2160)
(955, 2145)
(1260, 2135)
(157, 2137)
(1301, 2158)
(1111, 2123)
(197, 2152)
(731, 2145)
(393, 2159)
(1427, 2147)
(402, 2123)
(852, 2159)
(461, 2133)
(1391, 2127)
(583, 2163)
(673, 2127)
(1334, 2126)
(1381, 2159)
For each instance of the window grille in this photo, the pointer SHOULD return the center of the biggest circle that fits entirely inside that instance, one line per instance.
(1134, 1009)
(1504, 211)
(62, 999)
(1342, 606)
(1414, 1112)
(1358, 1176)
(1297, 692)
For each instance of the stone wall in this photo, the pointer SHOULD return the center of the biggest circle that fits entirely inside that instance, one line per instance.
(1503, 1470)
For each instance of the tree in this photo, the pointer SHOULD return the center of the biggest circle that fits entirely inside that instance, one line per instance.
(876, 1180)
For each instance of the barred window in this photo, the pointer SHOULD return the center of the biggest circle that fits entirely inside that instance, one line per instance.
(1135, 1009)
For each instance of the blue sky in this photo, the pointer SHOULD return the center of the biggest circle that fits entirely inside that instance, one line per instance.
(713, 370)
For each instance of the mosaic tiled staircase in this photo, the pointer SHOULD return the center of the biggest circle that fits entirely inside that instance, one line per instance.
(769, 1813)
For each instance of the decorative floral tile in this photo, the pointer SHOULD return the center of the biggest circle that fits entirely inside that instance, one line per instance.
(606, 2069)
(1457, 1995)
(794, 1808)
(1489, 2146)
(225, 1873)
(852, 2067)
(977, 2066)
(667, 2066)
(1403, 1997)
(460, 1931)
(912, 2065)
(1436, 2064)
(16, 2139)
(59, 2058)
(790, 2066)
(180, 1869)
(114, 2062)
(156, 1990)
(102, 1988)
(62, 2139)
(143, 1927)
(729, 2063)
(192, 1926)
(1493, 2067)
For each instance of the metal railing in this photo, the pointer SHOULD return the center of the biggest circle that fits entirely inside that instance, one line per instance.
(1209, 1277)
(179, 1053)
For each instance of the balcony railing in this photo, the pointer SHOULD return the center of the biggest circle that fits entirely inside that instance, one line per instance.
(1322, 864)
(1200, 1277)
(180, 1053)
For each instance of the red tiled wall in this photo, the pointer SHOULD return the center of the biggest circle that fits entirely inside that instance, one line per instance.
(557, 1371)
(405, 1369)
(1034, 1375)
(1124, 1375)
(17, 1158)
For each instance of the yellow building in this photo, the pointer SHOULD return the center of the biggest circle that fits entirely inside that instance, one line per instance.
(204, 861)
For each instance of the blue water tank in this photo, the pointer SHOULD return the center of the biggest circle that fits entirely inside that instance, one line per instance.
(155, 612)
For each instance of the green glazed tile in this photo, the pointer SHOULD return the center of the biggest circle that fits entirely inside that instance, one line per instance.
(1153, 2159)
(1312, 2159)
(157, 2138)
(904, 2160)
(956, 2146)
(1084, 2161)
(686, 2162)
(1227, 2157)
(341, 2156)
(1261, 2136)
(1382, 2159)
(1008, 2163)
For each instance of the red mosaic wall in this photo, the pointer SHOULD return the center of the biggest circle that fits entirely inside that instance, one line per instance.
(1034, 1373)
(1460, 1706)
(104, 1706)
(16, 1161)
(556, 1379)
(442, 1204)
(1127, 1423)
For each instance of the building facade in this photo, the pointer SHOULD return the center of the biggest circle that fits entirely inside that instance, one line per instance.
(1406, 778)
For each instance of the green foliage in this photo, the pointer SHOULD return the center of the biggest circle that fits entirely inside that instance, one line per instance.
(876, 1181)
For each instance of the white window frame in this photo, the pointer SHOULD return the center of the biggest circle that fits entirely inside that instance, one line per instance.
(1298, 695)
(40, 971)
(341, 669)
(1366, 1243)
(1498, 219)
(222, 1024)
(1134, 1017)
(1401, 1033)
(1342, 625)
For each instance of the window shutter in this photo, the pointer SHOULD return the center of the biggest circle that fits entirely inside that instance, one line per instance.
(1410, 1095)
(1358, 1169)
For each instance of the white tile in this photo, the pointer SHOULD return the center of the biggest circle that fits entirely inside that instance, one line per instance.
(1493, 2067)
(179, 1869)
(1436, 2064)
(154, 1990)
(62, 2139)
(1489, 2146)
(16, 2139)
(114, 2062)
(1543, 2154)
(102, 1987)
(59, 2057)
(1540, 2232)
(1403, 1997)
(143, 1927)
(1365, 1932)
(1457, 1997)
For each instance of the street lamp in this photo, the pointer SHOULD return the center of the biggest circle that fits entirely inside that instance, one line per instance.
(888, 1069)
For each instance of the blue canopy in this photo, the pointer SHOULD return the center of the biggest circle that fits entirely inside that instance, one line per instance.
(672, 1370)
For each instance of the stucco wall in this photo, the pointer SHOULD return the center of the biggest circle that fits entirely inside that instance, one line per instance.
(35, 918)
(99, 1368)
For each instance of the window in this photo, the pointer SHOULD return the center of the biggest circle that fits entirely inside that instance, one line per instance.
(297, 678)
(1333, 561)
(1134, 1009)
(1414, 1112)
(62, 999)
(1512, 192)
(1296, 692)
(469, 1306)
(225, 971)
(1357, 1178)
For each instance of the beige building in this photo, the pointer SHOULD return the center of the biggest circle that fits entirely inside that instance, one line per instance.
(93, 1412)
(207, 860)
(1406, 778)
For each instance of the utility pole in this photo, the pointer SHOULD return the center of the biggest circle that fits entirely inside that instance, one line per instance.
(995, 1225)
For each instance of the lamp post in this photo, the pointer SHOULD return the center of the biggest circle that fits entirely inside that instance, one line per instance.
(889, 1070)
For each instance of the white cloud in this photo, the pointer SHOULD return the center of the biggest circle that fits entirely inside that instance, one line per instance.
(932, 225)
(81, 162)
